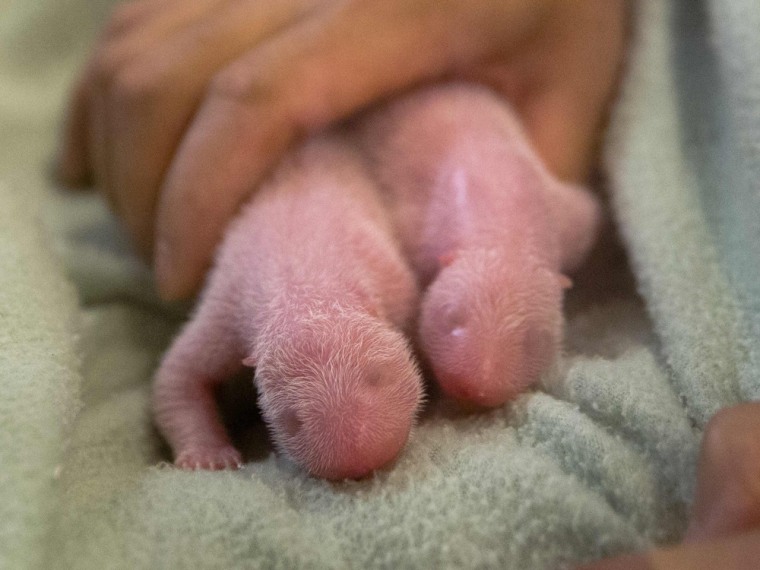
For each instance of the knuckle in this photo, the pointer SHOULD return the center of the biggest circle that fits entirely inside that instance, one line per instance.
(136, 86)
(242, 83)
(123, 17)
(107, 63)
(294, 96)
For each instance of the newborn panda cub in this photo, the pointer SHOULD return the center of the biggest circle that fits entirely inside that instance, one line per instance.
(432, 210)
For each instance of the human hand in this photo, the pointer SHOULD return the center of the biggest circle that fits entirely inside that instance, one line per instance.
(725, 524)
(184, 106)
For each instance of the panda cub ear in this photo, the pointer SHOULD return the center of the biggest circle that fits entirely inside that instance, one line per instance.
(564, 281)
(249, 361)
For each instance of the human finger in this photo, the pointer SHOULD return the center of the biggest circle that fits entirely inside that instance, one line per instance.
(318, 72)
(738, 552)
(562, 81)
(727, 498)
(156, 95)
(132, 27)
(73, 158)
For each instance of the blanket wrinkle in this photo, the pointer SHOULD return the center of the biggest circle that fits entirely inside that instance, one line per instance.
(599, 461)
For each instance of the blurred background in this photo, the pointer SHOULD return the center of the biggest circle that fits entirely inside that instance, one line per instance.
(42, 45)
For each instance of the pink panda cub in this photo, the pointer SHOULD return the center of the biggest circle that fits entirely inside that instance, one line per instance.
(318, 280)
(489, 231)
(311, 289)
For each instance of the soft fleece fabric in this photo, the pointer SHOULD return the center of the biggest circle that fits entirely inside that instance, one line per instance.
(599, 462)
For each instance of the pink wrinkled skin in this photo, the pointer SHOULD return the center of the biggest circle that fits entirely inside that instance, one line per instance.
(318, 282)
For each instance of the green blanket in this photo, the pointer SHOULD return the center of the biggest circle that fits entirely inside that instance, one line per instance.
(598, 462)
